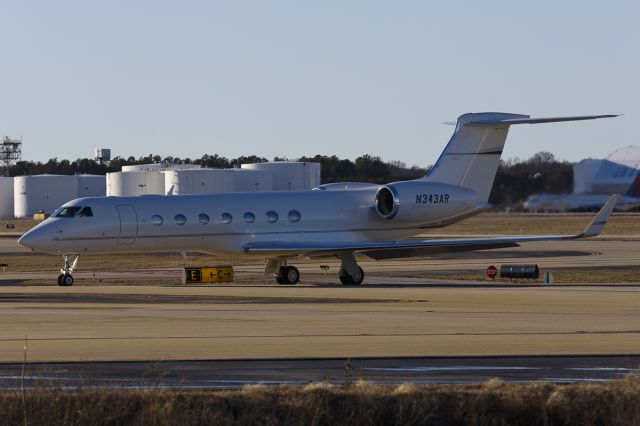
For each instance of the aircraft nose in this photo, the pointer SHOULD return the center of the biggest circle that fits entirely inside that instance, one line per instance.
(38, 239)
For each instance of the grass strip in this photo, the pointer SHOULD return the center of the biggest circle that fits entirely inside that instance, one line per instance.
(363, 403)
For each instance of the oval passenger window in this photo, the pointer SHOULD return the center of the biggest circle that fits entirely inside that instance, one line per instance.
(226, 218)
(271, 216)
(295, 216)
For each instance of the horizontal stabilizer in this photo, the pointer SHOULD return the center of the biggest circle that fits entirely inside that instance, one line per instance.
(529, 120)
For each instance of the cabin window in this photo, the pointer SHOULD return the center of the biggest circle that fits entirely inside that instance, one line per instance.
(295, 216)
(249, 217)
(203, 219)
(226, 218)
(271, 216)
(86, 212)
(156, 220)
(67, 212)
(180, 219)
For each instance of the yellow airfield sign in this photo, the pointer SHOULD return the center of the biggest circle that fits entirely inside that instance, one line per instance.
(207, 274)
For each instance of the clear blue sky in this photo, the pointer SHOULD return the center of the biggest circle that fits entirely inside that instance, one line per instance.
(292, 78)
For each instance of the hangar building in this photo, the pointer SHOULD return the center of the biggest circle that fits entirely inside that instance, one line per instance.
(615, 174)
(594, 180)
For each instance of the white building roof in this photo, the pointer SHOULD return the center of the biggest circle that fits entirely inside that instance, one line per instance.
(628, 156)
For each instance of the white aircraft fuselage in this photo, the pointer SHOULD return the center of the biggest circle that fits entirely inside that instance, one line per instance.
(340, 220)
(225, 223)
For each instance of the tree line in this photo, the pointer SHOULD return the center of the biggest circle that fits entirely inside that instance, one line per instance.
(515, 179)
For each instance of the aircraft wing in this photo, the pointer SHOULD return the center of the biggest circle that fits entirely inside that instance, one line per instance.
(398, 249)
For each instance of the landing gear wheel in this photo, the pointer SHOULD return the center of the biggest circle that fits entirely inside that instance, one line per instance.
(292, 275)
(347, 279)
(67, 280)
(288, 275)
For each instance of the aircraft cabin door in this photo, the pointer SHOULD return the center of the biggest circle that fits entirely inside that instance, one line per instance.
(128, 224)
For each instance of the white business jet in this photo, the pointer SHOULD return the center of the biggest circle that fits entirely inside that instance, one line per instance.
(336, 220)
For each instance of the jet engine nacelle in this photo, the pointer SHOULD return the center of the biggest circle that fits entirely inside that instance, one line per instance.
(421, 202)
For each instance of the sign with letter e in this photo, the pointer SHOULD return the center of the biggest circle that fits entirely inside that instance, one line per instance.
(192, 275)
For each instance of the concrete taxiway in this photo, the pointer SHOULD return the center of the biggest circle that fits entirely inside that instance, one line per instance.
(248, 322)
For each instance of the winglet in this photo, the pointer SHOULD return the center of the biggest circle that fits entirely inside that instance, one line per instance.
(597, 224)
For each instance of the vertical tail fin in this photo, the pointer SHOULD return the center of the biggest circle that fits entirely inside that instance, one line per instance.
(472, 156)
(634, 189)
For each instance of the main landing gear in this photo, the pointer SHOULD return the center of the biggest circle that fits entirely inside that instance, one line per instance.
(286, 275)
(350, 273)
(65, 279)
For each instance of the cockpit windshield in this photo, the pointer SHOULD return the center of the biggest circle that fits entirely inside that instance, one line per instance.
(66, 212)
(86, 212)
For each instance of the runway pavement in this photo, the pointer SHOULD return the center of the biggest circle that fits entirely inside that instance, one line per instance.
(149, 323)
(390, 371)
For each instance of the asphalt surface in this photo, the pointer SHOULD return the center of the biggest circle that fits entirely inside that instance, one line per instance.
(389, 371)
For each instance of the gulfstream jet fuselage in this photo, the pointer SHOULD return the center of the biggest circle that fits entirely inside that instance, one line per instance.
(341, 220)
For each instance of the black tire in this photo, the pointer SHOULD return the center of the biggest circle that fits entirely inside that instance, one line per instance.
(67, 280)
(291, 275)
(281, 276)
(347, 279)
(60, 283)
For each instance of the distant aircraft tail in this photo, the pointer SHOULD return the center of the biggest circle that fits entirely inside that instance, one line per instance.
(634, 189)
(472, 156)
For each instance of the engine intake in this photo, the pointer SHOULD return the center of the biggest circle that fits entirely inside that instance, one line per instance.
(387, 202)
(422, 202)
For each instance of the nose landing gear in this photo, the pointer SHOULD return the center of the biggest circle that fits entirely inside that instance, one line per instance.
(65, 279)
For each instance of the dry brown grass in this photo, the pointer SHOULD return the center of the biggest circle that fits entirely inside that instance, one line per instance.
(50, 263)
(21, 225)
(491, 403)
(43, 262)
(614, 275)
(525, 223)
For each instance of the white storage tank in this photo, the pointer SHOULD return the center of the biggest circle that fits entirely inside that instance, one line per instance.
(135, 183)
(290, 175)
(247, 180)
(210, 181)
(158, 167)
(91, 186)
(6, 197)
(42, 193)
